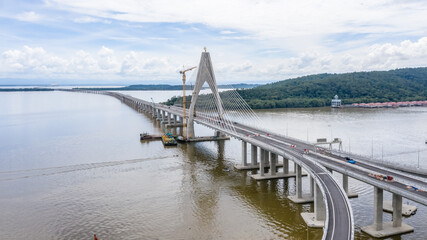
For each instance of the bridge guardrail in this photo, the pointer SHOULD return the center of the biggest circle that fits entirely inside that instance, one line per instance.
(396, 166)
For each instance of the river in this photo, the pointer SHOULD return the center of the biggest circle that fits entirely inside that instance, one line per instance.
(72, 165)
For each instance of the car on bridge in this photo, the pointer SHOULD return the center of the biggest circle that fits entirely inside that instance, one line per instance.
(351, 161)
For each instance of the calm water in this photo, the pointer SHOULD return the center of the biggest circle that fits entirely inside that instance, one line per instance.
(72, 165)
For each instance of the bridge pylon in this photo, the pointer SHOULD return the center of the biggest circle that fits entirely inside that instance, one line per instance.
(205, 74)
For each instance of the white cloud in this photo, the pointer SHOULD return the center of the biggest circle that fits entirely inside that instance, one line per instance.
(226, 32)
(296, 21)
(88, 19)
(28, 17)
(107, 63)
(36, 61)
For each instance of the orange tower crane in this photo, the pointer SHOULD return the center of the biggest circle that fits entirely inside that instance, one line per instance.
(183, 97)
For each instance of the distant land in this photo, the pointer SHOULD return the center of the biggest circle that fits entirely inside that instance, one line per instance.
(408, 84)
(25, 89)
(163, 87)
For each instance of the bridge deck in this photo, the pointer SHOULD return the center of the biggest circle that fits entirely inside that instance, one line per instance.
(339, 218)
(339, 223)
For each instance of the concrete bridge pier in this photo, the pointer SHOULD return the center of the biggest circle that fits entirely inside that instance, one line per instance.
(382, 229)
(285, 166)
(262, 163)
(254, 155)
(163, 116)
(169, 118)
(312, 187)
(273, 174)
(159, 114)
(266, 158)
(181, 131)
(273, 162)
(350, 194)
(244, 154)
(299, 197)
(254, 158)
(316, 219)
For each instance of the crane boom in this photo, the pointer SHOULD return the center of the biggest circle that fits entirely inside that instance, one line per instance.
(184, 124)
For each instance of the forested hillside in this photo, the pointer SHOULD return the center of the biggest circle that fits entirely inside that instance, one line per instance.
(317, 90)
(361, 87)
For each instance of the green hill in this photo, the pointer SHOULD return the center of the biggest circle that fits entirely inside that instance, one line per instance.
(163, 87)
(407, 84)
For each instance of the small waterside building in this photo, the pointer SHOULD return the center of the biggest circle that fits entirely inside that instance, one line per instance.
(336, 103)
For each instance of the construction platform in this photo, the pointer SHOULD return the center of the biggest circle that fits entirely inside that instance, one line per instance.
(310, 219)
(407, 210)
(388, 230)
(306, 198)
(149, 137)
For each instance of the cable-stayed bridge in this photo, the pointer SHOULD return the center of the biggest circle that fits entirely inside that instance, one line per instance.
(228, 114)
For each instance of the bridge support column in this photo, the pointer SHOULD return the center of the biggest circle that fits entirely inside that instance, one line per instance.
(378, 208)
(244, 153)
(311, 187)
(285, 166)
(266, 158)
(316, 219)
(169, 118)
(254, 154)
(319, 204)
(345, 187)
(397, 210)
(261, 163)
(163, 116)
(175, 121)
(299, 197)
(273, 162)
(380, 229)
(298, 181)
(254, 165)
(158, 114)
(262, 155)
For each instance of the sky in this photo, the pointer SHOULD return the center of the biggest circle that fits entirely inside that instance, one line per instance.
(149, 41)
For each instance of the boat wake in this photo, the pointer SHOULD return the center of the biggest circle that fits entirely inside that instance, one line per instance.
(37, 172)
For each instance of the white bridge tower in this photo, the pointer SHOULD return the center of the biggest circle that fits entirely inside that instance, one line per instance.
(205, 73)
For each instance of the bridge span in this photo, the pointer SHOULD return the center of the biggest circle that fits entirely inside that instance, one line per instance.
(336, 215)
(332, 209)
(331, 203)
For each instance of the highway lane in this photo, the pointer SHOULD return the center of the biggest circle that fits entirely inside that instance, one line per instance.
(340, 220)
(361, 168)
(326, 161)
